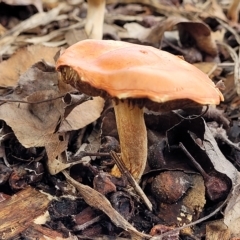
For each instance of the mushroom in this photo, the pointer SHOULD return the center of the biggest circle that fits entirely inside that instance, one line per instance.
(233, 11)
(134, 77)
(95, 19)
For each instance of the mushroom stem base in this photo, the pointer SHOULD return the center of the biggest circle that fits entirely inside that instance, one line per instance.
(133, 138)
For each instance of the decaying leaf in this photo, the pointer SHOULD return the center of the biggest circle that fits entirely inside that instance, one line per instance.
(201, 33)
(32, 130)
(80, 116)
(23, 60)
(219, 161)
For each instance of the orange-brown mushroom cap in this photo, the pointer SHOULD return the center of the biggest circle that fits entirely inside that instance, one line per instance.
(158, 79)
(126, 70)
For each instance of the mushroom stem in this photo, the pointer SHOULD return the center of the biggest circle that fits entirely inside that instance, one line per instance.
(233, 11)
(133, 138)
(95, 19)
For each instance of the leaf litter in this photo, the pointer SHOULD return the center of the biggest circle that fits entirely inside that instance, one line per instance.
(66, 138)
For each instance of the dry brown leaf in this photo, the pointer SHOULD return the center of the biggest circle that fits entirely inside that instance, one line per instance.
(202, 35)
(220, 163)
(156, 34)
(34, 125)
(33, 129)
(82, 115)
(152, 35)
(14, 67)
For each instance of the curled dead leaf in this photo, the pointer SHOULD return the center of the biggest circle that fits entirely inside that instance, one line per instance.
(201, 33)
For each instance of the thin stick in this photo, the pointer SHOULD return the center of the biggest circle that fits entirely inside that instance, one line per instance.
(195, 163)
(130, 179)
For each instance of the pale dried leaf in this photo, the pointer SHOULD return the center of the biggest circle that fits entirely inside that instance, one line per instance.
(134, 30)
(82, 115)
(220, 163)
(14, 67)
(156, 33)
